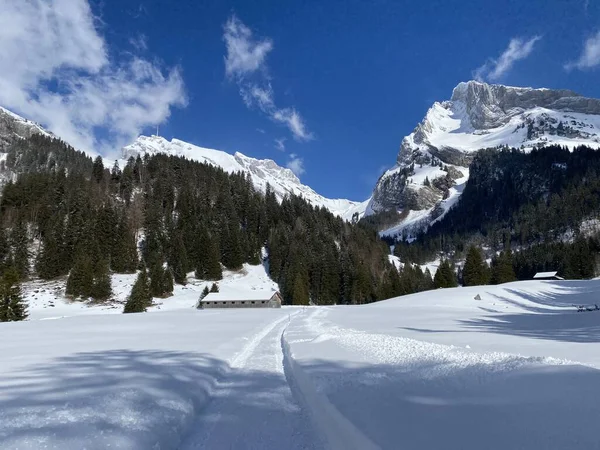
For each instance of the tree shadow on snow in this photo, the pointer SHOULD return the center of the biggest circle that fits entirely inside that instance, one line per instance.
(158, 399)
(565, 324)
(564, 294)
(566, 327)
(132, 400)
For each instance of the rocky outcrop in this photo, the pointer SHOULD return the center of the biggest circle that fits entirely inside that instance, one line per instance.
(490, 106)
(478, 116)
(14, 127)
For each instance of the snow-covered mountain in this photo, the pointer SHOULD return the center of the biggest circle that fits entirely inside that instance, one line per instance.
(262, 171)
(432, 165)
(13, 126)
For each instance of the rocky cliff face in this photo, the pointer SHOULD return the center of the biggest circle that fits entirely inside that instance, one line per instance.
(14, 127)
(433, 160)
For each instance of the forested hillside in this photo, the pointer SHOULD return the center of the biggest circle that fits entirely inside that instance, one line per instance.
(540, 208)
(65, 214)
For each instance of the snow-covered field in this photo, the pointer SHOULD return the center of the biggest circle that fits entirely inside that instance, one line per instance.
(517, 369)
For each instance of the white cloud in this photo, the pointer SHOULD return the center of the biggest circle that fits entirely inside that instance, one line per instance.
(517, 49)
(245, 62)
(294, 122)
(55, 68)
(280, 144)
(244, 54)
(590, 55)
(296, 164)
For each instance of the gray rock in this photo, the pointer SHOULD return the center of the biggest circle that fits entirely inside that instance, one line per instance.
(482, 107)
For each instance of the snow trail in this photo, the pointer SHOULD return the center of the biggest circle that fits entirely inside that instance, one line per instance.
(253, 407)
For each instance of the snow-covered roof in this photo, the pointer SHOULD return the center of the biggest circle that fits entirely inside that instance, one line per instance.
(238, 296)
(545, 275)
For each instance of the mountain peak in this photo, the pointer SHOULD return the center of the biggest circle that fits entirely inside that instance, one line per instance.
(464, 89)
(262, 171)
(480, 115)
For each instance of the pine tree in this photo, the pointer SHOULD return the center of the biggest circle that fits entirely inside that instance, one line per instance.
(445, 276)
(428, 280)
(178, 258)
(115, 173)
(124, 256)
(101, 289)
(4, 249)
(51, 260)
(98, 169)
(140, 298)
(81, 278)
(502, 268)
(208, 266)
(300, 294)
(475, 270)
(231, 250)
(20, 251)
(161, 280)
(203, 294)
(12, 305)
(214, 287)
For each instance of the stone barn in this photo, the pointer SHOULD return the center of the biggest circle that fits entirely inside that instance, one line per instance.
(249, 299)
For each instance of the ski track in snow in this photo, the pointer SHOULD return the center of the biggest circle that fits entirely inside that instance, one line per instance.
(265, 416)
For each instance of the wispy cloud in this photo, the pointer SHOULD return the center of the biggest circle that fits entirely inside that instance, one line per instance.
(245, 63)
(590, 54)
(494, 69)
(280, 144)
(296, 164)
(139, 43)
(244, 54)
(96, 103)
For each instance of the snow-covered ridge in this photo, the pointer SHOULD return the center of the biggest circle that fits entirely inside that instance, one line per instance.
(13, 126)
(262, 171)
(478, 116)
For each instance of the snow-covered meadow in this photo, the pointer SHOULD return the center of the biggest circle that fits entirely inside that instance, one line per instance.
(517, 369)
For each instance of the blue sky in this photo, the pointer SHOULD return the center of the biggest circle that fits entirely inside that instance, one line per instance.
(328, 87)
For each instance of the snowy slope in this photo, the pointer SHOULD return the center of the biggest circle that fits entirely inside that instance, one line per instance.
(46, 299)
(519, 368)
(263, 171)
(479, 116)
